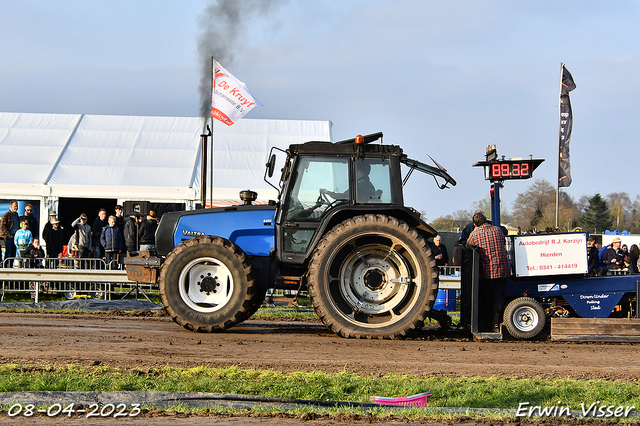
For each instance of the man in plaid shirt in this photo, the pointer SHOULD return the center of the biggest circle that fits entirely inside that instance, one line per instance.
(494, 269)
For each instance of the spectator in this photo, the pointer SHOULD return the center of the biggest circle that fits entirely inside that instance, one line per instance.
(468, 229)
(458, 254)
(147, 233)
(601, 253)
(96, 231)
(111, 240)
(23, 238)
(53, 238)
(35, 254)
(634, 255)
(131, 234)
(494, 269)
(628, 266)
(47, 226)
(440, 251)
(613, 257)
(33, 222)
(593, 260)
(10, 225)
(119, 219)
(80, 241)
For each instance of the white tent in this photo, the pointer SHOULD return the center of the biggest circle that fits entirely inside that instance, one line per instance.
(47, 156)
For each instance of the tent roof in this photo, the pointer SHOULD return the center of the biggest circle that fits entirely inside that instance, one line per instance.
(137, 157)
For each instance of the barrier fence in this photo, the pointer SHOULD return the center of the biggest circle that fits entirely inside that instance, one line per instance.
(69, 277)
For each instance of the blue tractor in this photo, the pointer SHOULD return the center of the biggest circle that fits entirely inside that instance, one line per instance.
(339, 230)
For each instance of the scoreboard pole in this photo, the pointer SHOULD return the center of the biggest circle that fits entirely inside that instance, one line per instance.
(495, 204)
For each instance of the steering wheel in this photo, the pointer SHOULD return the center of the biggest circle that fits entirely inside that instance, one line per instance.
(297, 210)
(323, 198)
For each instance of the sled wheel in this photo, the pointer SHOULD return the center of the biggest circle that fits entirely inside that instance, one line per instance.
(372, 276)
(70, 293)
(207, 285)
(524, 318)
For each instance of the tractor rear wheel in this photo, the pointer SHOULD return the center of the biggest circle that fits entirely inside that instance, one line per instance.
(372, 276)
(207, 285)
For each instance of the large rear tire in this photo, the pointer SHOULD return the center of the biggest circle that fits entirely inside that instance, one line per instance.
(207, 285)
(525, 318)
(372, 276)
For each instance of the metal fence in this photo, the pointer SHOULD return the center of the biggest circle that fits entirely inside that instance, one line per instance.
(449, 277)
(69, 277)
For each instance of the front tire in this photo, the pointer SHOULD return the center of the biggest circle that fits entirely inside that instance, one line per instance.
(372, 276)
(207, 285)
(525, 318)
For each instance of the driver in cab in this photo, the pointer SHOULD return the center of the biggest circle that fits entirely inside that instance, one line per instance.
(365, 190)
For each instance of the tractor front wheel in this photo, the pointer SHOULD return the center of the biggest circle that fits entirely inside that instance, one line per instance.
(207, 285)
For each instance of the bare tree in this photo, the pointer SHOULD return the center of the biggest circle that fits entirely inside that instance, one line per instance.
(445, 223)
(536, 208)
(621, 209)
(529, 206)
(485, 205)
(462, 217)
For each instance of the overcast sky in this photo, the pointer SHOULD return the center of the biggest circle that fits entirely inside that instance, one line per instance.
(444, 78)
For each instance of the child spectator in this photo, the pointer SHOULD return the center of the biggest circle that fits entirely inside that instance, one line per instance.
(23, 238)
(111, 240)
(629, 266)
(35, 254)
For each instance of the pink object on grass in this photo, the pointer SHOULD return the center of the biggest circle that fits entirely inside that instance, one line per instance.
(418, 400)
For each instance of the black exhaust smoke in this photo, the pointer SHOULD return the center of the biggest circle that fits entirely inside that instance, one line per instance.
(220, 24)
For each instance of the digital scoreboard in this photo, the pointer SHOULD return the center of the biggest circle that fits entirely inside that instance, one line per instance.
(501, 170)
(498, 170)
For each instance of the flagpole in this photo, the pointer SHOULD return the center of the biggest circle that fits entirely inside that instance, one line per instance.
(559, 141)
(211, 163)
(212, 133)
(203, 170)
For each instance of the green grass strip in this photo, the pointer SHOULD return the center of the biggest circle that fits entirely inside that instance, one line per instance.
(477, 392)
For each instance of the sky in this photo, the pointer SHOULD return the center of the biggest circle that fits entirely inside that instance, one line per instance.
(439, 78)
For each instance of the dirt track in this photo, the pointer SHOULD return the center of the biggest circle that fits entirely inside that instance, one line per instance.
(127, 342)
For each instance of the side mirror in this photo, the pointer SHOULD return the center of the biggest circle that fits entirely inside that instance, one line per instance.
(271, 165)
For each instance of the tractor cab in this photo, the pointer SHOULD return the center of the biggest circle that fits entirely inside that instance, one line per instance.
(323, 183)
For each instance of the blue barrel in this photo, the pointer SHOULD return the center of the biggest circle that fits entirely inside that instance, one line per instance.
(446, 300)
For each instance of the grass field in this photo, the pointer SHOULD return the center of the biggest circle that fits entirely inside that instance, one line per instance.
(489, 392)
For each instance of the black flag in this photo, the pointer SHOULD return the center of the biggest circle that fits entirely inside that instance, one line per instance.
(566, 123)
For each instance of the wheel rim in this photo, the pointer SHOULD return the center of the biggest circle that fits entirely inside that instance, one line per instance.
(371, 280)
(525, 318)
(205, 285)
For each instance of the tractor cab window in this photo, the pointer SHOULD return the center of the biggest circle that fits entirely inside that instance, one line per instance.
(320, 184)
(373, 181)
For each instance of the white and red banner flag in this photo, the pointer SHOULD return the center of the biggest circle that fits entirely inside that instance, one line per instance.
(230, 98)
